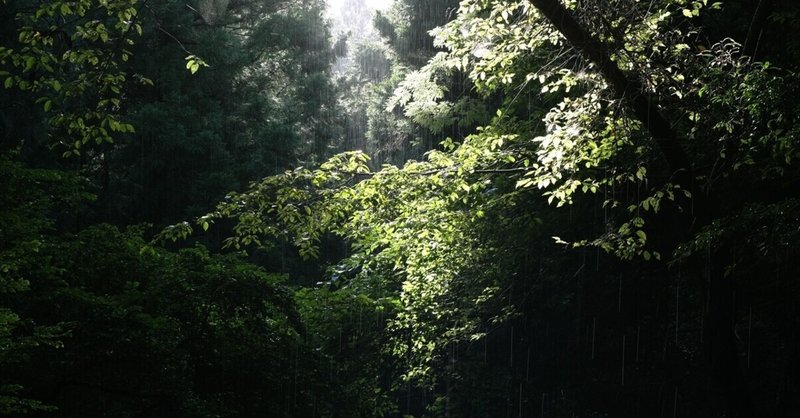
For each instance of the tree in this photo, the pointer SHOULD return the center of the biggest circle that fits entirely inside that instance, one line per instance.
(69, 56)
(25, 205)
(400, 109)
(261, 106)
(629, 115)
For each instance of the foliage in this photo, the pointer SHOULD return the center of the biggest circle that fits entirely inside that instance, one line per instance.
(70, 56)
(467, 281)
(99, 322)
(189, 333)
(418, 233)
(415, 230)
(406, 27)
(201, 135)
(347, 329)
(25, 204)
(591, 143)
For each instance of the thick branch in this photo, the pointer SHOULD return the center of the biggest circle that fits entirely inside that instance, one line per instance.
(629, 90)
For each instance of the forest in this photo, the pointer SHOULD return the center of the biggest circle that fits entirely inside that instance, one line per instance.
(407, 208)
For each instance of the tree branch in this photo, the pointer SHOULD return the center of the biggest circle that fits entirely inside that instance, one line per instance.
(629, 90)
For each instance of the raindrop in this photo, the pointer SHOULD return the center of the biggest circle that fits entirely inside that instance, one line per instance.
(543, 397)
(749, 334)
(594, 328)
(511, 351)
(528, 366)
(675, 404)
(677, 305)
(486, 345)
(623, 361)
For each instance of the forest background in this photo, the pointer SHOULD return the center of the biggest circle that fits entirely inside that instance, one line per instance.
(441, 209)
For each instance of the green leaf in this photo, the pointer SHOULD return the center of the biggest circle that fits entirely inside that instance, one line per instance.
(523, 183)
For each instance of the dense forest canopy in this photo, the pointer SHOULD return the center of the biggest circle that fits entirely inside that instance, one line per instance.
(537, 208)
